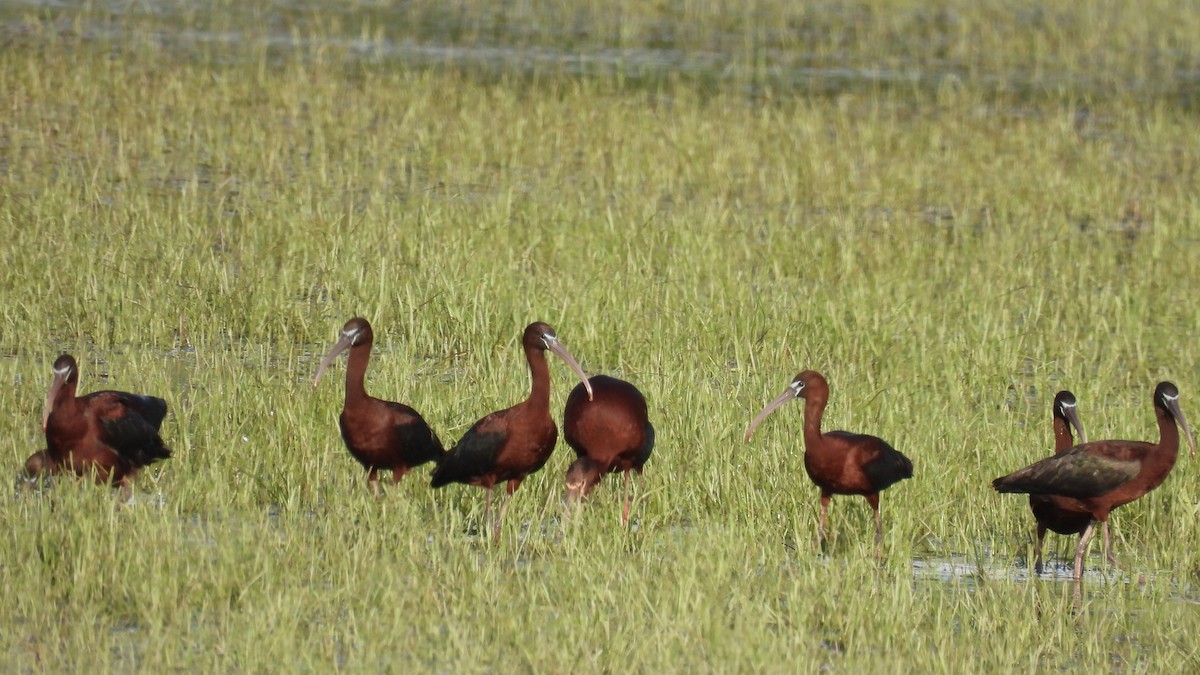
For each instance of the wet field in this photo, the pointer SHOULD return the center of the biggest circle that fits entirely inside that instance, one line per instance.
(952, 211)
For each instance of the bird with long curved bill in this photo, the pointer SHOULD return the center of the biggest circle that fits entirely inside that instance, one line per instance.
(111, 434)
(609, 432)
(510, 444)
(839, 462)
(1053, 513)
(1100, 476)
(379, 434)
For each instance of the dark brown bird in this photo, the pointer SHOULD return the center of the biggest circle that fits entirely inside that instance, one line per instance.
(1100, 476)
(510, 444)
(609, 432)
(379, 434)
(839, 462)
(112, 434)
(1050, 512)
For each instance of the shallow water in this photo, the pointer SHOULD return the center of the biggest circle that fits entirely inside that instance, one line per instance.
(512, 40)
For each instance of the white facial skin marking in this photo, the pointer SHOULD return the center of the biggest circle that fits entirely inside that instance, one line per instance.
(63, 371)
(1170, 397)
(547, 338)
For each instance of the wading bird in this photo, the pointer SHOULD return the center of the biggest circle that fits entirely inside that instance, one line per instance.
(112, 434)
(1051, 512)
(379, 434)
(839, 462)
(1100, 476)
(609, 432)
(510, 444)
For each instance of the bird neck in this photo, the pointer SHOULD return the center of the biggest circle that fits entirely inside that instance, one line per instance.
(539, 370)
(1168, 435)
(66, 417)
(356, 372)
(814, 408)
(1063, 440)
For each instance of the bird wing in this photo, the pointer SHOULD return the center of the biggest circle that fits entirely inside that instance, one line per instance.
(647, 446)
(152, 408)
(125, 430)
(474, 454)
(419, 441)
(1076, 473)
(882, 464)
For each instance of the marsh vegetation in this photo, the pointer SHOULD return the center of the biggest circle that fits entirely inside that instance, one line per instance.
(950, 209)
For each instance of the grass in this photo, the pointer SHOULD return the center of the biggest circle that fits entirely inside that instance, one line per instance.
(195, 218)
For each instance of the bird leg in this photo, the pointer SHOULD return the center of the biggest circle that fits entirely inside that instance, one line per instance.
(373, 482)
(825, 497)
(628, 500)
(1041, 539)
(1084, 538)
(873, 500)
(512, 487)
(1112, 560)
(397, 474)
(500, 520)
(126, 492)
(487, 509)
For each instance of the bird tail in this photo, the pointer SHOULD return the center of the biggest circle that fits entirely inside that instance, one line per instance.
(1006, 485)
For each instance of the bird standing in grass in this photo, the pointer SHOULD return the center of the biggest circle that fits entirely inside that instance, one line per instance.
(510, 444)
(379, 434)
(609, 431)
(839, 462)
(1100, 476)
(1054, 513)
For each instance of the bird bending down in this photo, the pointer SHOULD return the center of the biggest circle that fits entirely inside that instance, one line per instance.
(510, 444)
(839, 462)
(111, 434)
(379, 434)
(1100, 476)
(609, 432)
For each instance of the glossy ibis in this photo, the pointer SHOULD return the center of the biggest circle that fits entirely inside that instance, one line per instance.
(379, 434)
(609, 432)
(1100, 476)
(1050, 512)
(839, 462)
(510, 444)
(111, 433)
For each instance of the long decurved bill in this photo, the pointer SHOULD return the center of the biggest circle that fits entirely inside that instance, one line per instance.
(1073, 419)
(788, 394)
(554, 346)
(340, 346)
(1173, 404)
(60, 379)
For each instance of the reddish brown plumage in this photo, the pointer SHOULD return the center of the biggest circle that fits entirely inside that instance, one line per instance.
(1054, 513)
(609, 433)
(379, 434)
(510, 444)
(1101, 476)
(839, 462)
(111, 434)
